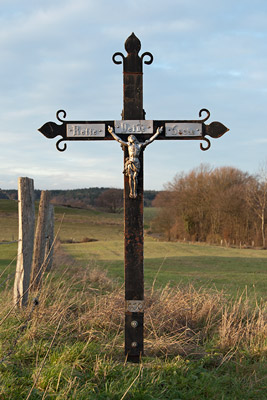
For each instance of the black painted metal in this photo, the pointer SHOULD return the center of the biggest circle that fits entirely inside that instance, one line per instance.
(51, 130)
(133, 208)
(134, 335)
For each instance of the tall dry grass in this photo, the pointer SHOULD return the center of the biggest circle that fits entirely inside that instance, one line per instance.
(178, 320)
(242, 325)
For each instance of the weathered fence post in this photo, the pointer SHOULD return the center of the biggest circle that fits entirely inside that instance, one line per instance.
(49, 249)
(25, 240)
(40, 239)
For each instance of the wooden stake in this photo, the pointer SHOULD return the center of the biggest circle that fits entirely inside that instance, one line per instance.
(49, 249)
(25, 240)
(40, 239)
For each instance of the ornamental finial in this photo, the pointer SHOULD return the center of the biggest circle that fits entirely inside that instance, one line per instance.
(132, 44)
(132, 63)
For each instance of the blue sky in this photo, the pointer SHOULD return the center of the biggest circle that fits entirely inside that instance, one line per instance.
(58, 55)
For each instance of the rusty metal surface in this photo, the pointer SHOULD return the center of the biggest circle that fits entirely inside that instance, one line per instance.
(134, 336)
(133, 208)
(133, 260)
(133, 78)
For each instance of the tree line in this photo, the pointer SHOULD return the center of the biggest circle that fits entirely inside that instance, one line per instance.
(220, 205)
(106, 199)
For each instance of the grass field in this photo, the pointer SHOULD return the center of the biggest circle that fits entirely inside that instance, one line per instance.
(199, 343)
(231, 269)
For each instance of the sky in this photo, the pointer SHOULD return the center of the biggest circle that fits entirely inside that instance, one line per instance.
(57, 54)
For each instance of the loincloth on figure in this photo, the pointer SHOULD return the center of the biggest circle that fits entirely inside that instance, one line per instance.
(131, 167)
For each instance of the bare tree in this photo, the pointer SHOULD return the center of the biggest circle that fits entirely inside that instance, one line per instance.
(257, 198)
(163, 223)
(111, 200)
(206, 205)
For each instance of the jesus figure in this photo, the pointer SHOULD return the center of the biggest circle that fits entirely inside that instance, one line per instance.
(132, 163)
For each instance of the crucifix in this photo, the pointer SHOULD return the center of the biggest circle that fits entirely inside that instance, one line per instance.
(134, 133)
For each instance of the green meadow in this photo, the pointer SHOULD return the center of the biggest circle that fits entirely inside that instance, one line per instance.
(232, 269)
(205, 319)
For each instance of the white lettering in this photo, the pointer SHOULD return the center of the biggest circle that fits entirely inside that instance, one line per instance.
(85, 130)
(134, 127)
(183, 129)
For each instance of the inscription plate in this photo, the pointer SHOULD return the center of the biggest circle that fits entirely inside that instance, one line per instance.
(85, 130)
(134, 305)
(183, 129)
(133, 126)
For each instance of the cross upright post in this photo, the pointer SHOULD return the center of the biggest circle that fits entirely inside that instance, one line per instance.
(133, 207)
(133, 124)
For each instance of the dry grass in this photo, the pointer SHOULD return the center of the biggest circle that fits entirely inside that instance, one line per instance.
(182, 320)
(75, 336)
(242, 325)
(178, 321)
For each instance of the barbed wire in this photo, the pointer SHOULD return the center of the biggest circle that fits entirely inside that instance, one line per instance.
(40, 272)
(35, 300)
(11, 262)
(7, 279)
(9, 275)
(26, 291)
(14, 241)
(28, 319)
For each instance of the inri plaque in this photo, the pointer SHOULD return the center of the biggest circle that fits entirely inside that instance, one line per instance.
(133, 126)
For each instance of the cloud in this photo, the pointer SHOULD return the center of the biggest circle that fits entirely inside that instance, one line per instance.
(255, 142)
(58, 55)
(39, 19)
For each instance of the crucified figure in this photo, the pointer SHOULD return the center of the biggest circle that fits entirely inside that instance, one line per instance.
(132, 163)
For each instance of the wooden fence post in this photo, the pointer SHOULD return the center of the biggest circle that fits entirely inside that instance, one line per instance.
(40, 239)
(25, 240)
(49, 250)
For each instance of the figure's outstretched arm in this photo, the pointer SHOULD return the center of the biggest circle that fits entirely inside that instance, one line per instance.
(110, 129)
(147, 142)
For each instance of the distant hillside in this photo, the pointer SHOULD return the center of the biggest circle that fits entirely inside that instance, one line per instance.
(85, 198)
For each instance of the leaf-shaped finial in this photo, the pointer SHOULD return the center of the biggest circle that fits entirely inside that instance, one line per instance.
(51, 130)
(48, 130)
(132, 44)
(216, 129)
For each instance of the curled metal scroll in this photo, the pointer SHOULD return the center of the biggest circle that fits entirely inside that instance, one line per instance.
(208, 146)
(114, 58)
(201, 112)
(150, 61)
(60, 112)
(58, 143)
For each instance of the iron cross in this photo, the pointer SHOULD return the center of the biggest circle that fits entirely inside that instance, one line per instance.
(134, 133)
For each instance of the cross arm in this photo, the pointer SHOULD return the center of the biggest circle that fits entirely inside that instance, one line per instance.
(143, 129)
(75, 130)
(191, 129)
